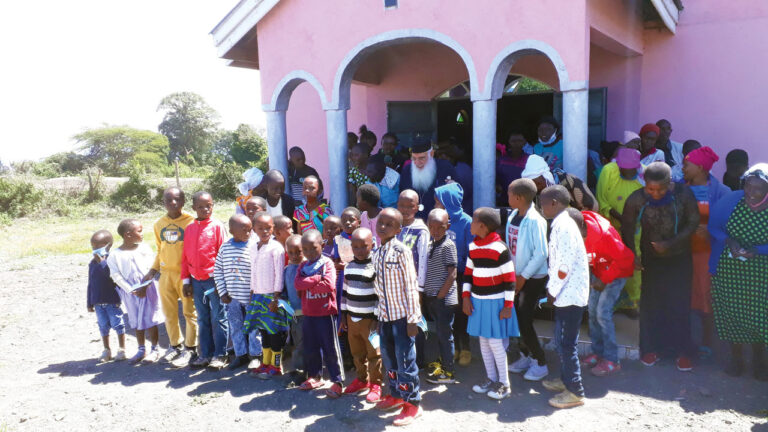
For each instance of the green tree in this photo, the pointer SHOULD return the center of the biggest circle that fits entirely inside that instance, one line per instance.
(115, 148)
(190, 125)
(243, 146)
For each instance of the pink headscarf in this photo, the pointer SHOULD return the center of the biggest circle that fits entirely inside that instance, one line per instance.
(704, 157)
(628, 158)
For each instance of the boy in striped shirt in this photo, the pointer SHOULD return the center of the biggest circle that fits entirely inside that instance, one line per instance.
(358, 306)
(232, 273)
(399, 314)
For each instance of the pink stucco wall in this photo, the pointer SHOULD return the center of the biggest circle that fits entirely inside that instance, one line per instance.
(709, 79)
(316, 36)
(621, 75)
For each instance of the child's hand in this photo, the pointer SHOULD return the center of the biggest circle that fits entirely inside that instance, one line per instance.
(374, 326)
(141, 292)
(344, 324)
(339, 265)
(467, 306)
(506, 313)
(150, 275)
(412, 330)
(519, 283)
(638, 264)
(186, 290)
(226, 299)
(273, 305)
(91, 309)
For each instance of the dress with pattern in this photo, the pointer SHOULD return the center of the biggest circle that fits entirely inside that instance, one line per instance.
(740, 288)
(308, 220)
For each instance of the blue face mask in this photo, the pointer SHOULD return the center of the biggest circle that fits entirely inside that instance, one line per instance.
(101, 252)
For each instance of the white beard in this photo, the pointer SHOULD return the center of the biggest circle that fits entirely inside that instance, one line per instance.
(424, 178)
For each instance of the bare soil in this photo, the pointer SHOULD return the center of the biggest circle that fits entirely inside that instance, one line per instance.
(50, 380)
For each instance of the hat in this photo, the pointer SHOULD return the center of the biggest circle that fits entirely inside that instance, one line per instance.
(629, 136)
(628, 158)
(649, 127)
(704, 157)
(421, 144)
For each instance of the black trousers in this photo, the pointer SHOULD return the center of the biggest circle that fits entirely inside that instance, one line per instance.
(460, 335)
(525, 307)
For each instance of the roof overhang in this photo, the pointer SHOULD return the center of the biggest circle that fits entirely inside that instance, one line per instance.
(669, 12)
(235, 35)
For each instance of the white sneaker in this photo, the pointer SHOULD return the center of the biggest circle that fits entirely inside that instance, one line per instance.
(120, 354)
(153, 356)
(536, 372)
(483, 388)
(499, 392)
(171, 354)
(521, 365)
(105, 356)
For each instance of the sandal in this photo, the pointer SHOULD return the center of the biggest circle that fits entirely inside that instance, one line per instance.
(335, 391)
(311, 384)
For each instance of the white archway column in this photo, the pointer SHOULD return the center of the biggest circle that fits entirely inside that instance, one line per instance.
(336, 126)
(277, 142)
(484, 152)
(575, 131)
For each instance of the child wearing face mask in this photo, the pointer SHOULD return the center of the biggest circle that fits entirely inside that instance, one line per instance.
(550, 145)
(102, 296)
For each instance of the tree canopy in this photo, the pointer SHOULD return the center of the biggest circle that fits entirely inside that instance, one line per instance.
(115, 148)
(190, 125)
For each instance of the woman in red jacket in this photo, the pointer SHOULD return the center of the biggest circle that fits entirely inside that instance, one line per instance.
(611, 263)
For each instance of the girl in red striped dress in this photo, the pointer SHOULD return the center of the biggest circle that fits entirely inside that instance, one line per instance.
(488, 299)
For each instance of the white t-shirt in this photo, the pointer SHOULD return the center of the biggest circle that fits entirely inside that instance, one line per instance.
(276, 210)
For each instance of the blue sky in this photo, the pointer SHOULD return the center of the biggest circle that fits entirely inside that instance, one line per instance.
(73, 65)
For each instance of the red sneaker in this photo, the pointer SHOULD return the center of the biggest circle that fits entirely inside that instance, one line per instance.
(357, 387)
(649, 359)
(390, 403)
(311, 384)
(335, 391)
(684, 364)
(374, 396)
(259, 370)
(409, 413)
(590, 361)
(605, 367)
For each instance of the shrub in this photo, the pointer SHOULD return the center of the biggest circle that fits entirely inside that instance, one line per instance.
(19, 198)
(137, 194)
(222, 182)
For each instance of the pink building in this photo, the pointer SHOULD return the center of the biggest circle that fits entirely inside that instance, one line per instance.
(448, 68)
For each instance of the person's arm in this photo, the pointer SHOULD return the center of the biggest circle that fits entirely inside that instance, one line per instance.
(538, 231)
(629, 219)
(449, 261)
(159, 242)
(218, 273)
(410, 286)
(327, 280)
(507, 267)
(278, 265)
(304, 283)
(466, 301)
(558, 268)
(602, 193)
(620, 258)
(688, 222)
(88, 292)
(114, 273)
(422, 243)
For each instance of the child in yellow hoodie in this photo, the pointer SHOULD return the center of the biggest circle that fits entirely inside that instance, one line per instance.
(169, 235)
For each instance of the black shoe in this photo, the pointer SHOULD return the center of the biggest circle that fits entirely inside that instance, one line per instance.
(238, 362)
(735, 367)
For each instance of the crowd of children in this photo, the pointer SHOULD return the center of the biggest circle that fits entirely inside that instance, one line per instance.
(288, 280)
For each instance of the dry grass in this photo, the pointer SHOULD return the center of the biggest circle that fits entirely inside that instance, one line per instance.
(51, 236)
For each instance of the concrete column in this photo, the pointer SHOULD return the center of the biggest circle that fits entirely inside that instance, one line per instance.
(484, 152)
(575, 132)
(336, 126)
(277, 142)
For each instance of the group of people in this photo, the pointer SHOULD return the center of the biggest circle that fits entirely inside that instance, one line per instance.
(288, 278)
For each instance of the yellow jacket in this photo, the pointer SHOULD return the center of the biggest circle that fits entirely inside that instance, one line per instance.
(169, 236)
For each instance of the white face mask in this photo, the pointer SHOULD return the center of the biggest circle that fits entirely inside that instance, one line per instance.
(550, 140)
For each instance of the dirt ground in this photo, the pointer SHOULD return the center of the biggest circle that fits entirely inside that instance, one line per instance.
(50, 380)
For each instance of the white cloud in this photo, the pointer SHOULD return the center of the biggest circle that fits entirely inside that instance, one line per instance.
(72, 65)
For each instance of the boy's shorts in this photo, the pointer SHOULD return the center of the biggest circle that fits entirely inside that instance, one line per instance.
(110, 316)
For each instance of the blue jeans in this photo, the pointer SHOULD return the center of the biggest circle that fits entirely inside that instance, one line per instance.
(243, 344)
(601, 328)
(110, 316)
(443, 315)
(567, 323)
(211, 319)
(398, 351)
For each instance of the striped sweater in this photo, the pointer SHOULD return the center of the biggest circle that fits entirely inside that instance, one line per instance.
(359, 298)
(232, 270)
(490, 272)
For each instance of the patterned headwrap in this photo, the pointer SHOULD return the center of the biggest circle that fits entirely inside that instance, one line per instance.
(758, 170)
